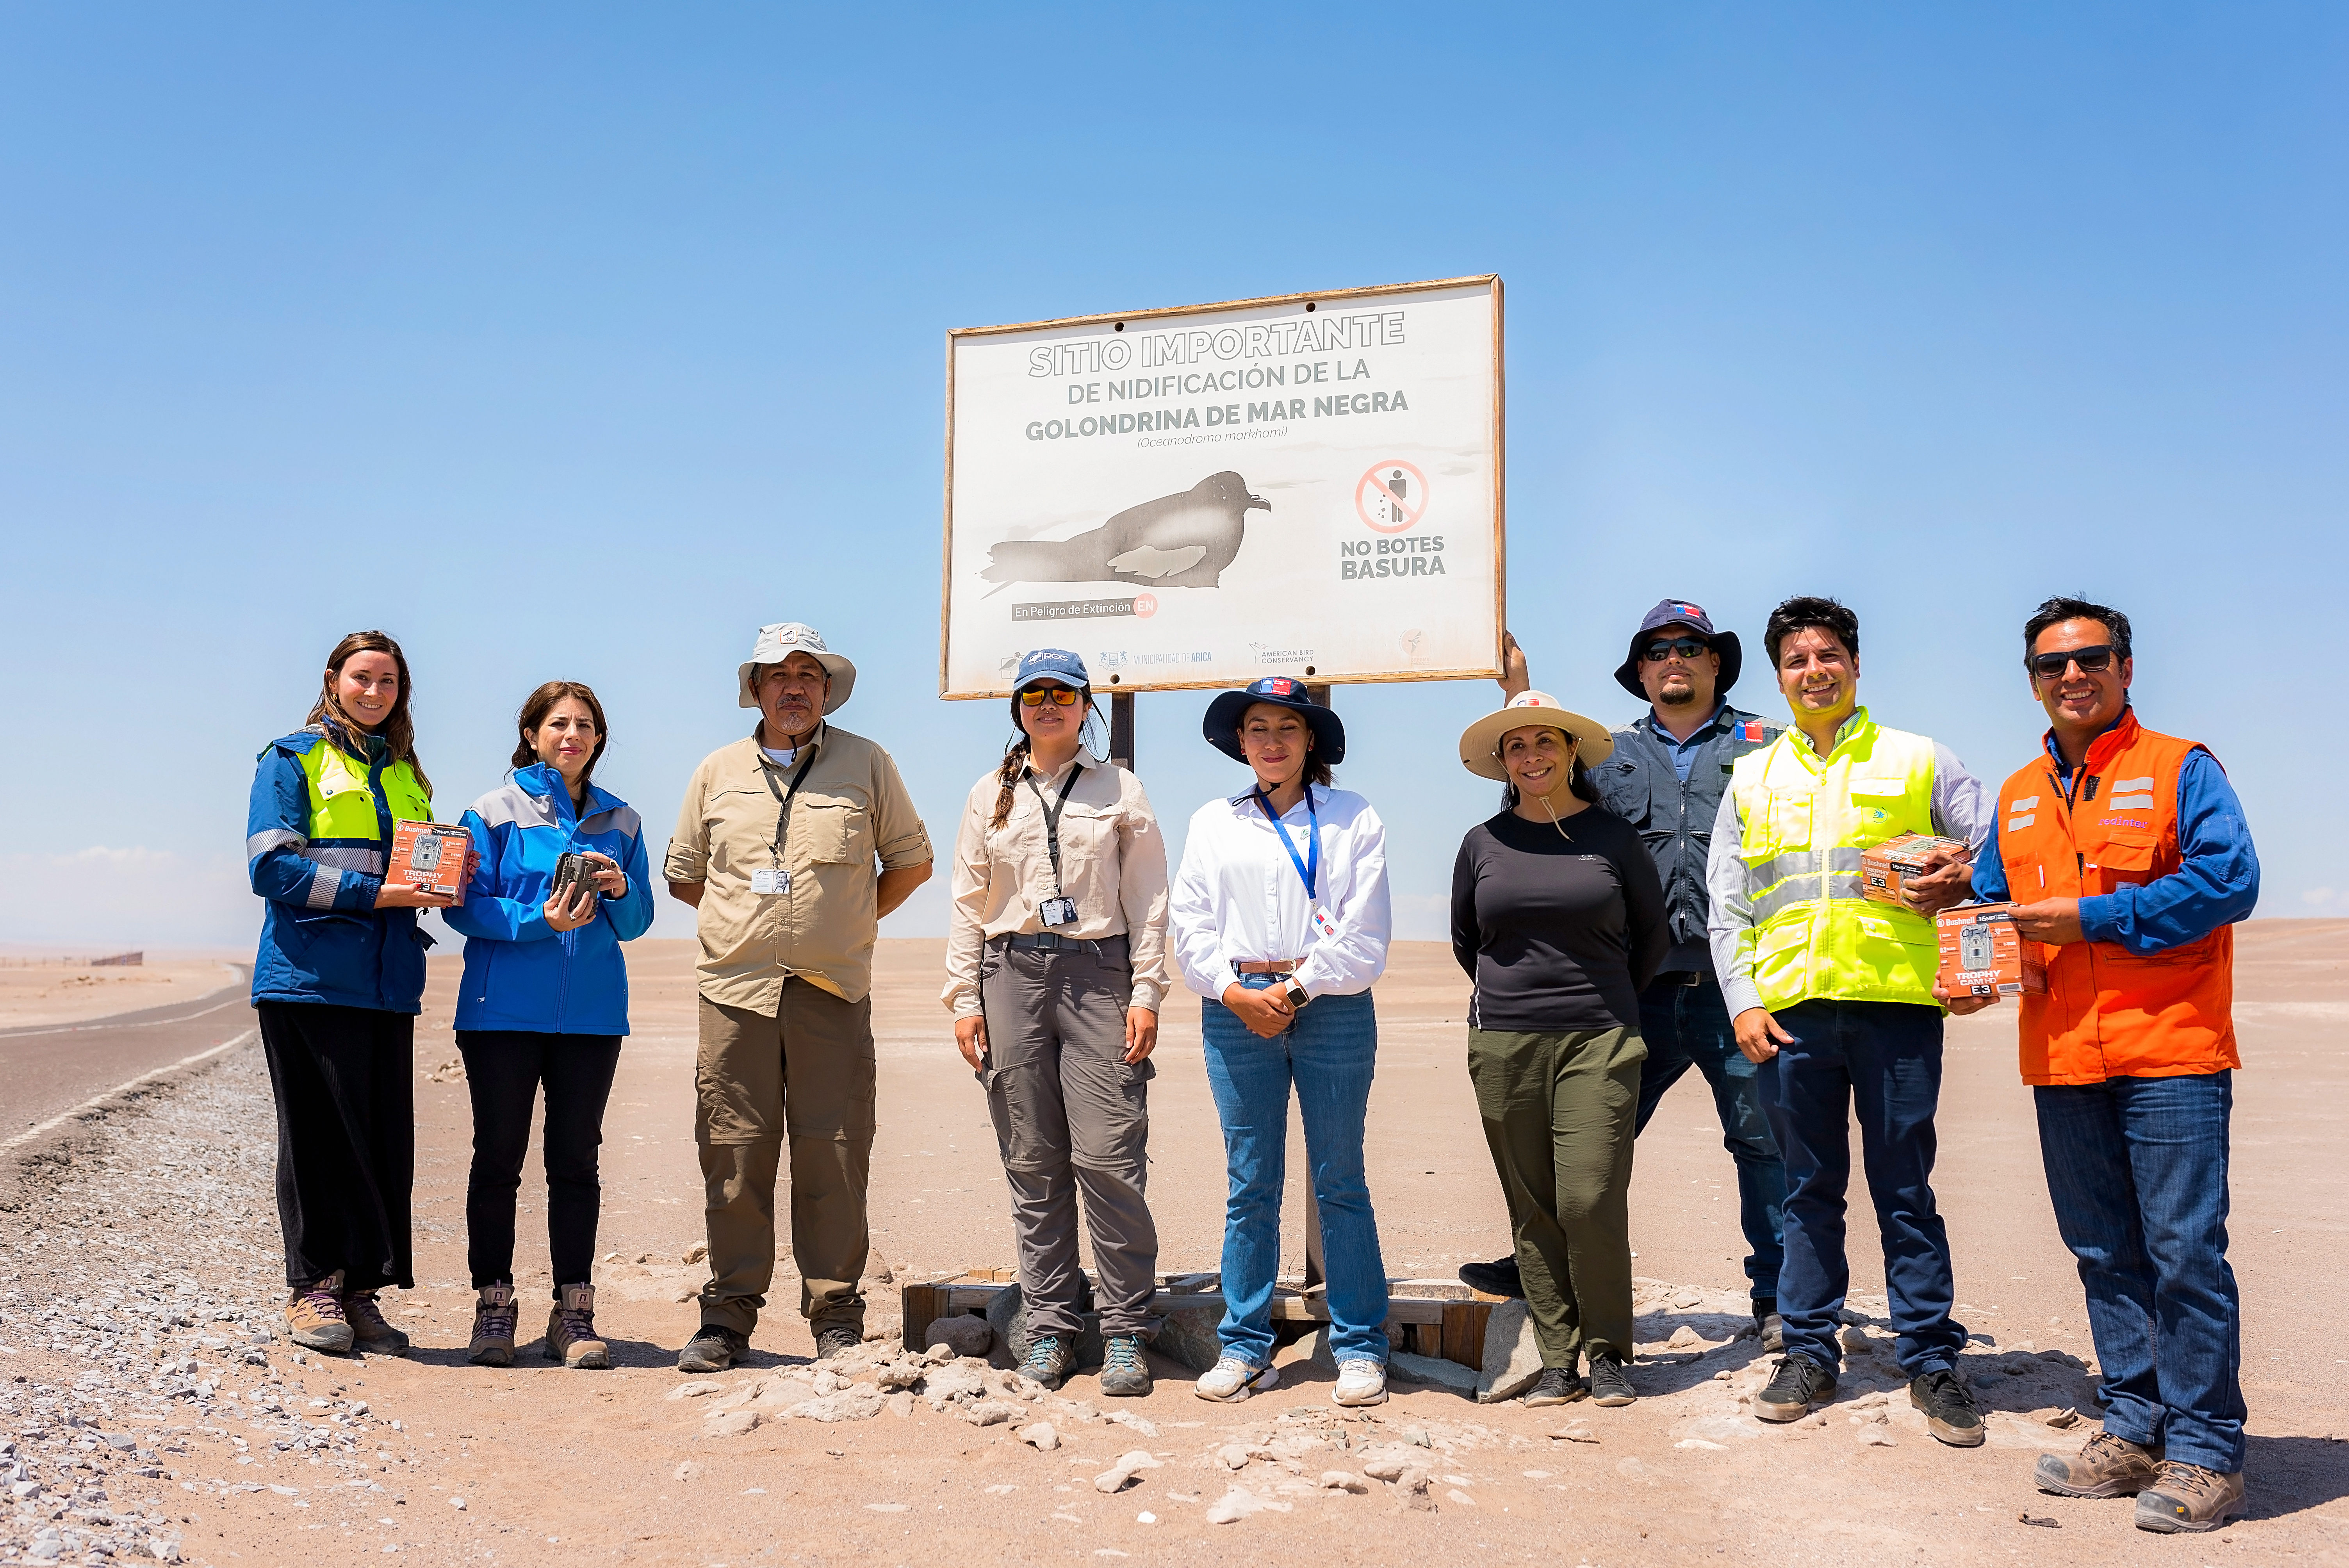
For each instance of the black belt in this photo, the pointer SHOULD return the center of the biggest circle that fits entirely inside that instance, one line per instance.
(1681, 977)
(1053, 941)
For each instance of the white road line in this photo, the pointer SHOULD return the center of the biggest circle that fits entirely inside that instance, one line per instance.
(98, 1100)
(110, 1024)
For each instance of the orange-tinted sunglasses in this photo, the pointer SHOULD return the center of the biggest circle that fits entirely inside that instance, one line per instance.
(1062, 696)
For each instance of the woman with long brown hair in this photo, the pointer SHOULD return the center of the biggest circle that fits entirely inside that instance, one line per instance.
(338, 983)
(544, 1002)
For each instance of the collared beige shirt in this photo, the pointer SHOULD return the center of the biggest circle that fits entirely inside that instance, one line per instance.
(851, 809)
(1113, 863)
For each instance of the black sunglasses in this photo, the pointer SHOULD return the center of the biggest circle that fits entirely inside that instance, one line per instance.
(1686, 647)
(2093, 661)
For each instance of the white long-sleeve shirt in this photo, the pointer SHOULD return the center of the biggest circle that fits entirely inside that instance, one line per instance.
(1238, 896)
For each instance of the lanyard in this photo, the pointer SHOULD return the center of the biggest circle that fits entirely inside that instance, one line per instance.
(1052, 822)
(1309, 870)
(784, 799)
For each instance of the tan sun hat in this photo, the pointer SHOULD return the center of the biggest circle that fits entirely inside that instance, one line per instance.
(1480, 743)
(780, 642)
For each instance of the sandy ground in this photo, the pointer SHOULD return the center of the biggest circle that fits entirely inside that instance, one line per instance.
(34, 994)
(136, 1289)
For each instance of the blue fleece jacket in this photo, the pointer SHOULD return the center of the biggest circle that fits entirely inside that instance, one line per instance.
(519, 972)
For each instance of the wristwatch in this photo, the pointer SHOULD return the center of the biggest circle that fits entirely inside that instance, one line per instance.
(1295, 995)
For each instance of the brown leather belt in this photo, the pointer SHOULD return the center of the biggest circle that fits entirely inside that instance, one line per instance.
(1266, 965)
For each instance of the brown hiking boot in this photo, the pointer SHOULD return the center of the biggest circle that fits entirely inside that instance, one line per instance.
(2185, 1497)
(570, 1330)
(2107, 1467)
(313, 1317)
(493, 1328)
(370, 1330)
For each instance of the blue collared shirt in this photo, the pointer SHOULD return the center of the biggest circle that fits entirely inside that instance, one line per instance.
(2216, 885)
(1683, 752)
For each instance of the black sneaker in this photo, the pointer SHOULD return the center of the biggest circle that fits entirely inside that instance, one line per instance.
(1609, 1386)
(1556, 1385)
(713, 1350)
(1499, 1277)
(1799, 1383)
(1948, 1406)
(1770, 1326)
(832, 1340)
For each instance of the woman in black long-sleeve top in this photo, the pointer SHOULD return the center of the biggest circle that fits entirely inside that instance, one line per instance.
(1559, 917)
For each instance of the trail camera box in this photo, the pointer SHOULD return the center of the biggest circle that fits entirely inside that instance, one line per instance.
(430, 856)
(1887, 868)
(1984, 955)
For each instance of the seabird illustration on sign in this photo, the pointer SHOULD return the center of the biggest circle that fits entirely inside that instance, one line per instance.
(1180, 541)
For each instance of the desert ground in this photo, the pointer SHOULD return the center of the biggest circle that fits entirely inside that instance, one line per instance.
(151, 1408)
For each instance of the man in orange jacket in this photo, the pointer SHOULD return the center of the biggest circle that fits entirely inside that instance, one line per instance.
(2125, 852)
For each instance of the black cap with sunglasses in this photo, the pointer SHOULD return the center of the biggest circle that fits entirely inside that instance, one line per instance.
(1679, 613)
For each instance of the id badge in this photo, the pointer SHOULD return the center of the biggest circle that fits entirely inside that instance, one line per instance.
(770, 879)
(1055, 911)
(1322, 924)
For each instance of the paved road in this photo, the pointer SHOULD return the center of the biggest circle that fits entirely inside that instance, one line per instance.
(52, 1068)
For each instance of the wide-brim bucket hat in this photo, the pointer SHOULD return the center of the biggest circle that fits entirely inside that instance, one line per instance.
(1681, 613)
(1480, 743)
(1222, 724)
(780, 642)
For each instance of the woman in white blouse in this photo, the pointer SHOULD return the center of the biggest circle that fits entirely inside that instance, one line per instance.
(1279, 919)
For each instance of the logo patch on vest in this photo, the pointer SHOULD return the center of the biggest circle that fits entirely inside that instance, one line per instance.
(1750, 730)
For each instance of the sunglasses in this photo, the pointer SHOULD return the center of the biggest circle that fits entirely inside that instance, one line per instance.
(1062, 696)
(2093, 661)
(1686, 647)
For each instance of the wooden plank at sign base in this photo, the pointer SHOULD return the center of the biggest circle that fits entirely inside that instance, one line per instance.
(1426, 1317)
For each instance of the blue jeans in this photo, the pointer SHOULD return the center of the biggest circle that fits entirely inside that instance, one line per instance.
(1688, 1027)
(1879, 1063)
(1329, 1053)
(2138, 1171)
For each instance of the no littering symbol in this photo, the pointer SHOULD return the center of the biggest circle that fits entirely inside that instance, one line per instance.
(1391, 496)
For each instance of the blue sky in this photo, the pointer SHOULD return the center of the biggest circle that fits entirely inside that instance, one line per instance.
(635, 318)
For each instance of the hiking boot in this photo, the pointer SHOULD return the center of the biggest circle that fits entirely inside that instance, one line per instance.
(1499, 1277)
(1609, 1385)
(1797, 1384)
(1049, 1360)
(2185, 1497)
(2107, 1467)
(1124, 1374)
(835, 1339)
(570, 1330)
(370, 1330)
(1556, 1385)
(1234, 1379)
(714, 1348)
(1770, 1326)
(1361, 1381)
(313, 1317)
(492, 1343)
(1951, 1414)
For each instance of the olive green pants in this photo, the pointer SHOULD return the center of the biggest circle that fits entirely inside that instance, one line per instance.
(1558, 1111)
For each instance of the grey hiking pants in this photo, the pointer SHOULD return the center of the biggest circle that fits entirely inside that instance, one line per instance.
(1071, 1117)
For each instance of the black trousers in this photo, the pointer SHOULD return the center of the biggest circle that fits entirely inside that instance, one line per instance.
(503, 1068)
(344, 1080)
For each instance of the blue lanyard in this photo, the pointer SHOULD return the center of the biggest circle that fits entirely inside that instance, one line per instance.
(1309, 870)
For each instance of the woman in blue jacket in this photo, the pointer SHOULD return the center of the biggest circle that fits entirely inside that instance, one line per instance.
(545, 1000)
(336, 985)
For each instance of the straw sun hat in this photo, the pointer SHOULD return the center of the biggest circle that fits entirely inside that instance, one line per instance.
(1480, 743)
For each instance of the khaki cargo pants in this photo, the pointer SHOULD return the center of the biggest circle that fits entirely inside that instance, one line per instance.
(806, 1072)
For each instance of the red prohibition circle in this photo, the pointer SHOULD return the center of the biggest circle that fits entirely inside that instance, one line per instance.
(1375, 483)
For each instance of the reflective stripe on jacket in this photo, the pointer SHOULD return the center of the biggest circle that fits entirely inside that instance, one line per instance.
(2110, 1013)
(1807, 820)
(520, 974)
(317, 835)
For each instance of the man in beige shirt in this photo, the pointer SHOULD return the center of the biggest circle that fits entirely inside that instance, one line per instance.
(776, 847)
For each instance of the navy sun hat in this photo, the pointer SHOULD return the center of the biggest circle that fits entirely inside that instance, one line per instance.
(1222, 724)
(1681, 613)
(1052, 664)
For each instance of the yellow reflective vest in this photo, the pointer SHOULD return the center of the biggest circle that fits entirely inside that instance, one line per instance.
(1805, 820)
(343, 813)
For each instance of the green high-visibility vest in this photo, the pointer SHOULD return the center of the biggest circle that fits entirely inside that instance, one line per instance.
(343, 816)
(1806, 820)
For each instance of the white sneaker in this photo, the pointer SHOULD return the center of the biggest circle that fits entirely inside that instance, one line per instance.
(1235, 1379)
(1361, 1382)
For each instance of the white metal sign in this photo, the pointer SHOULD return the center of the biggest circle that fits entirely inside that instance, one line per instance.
(1305, 485)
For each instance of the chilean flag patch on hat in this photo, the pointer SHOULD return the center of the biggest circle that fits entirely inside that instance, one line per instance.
(1694, 612)
(1277, 685)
